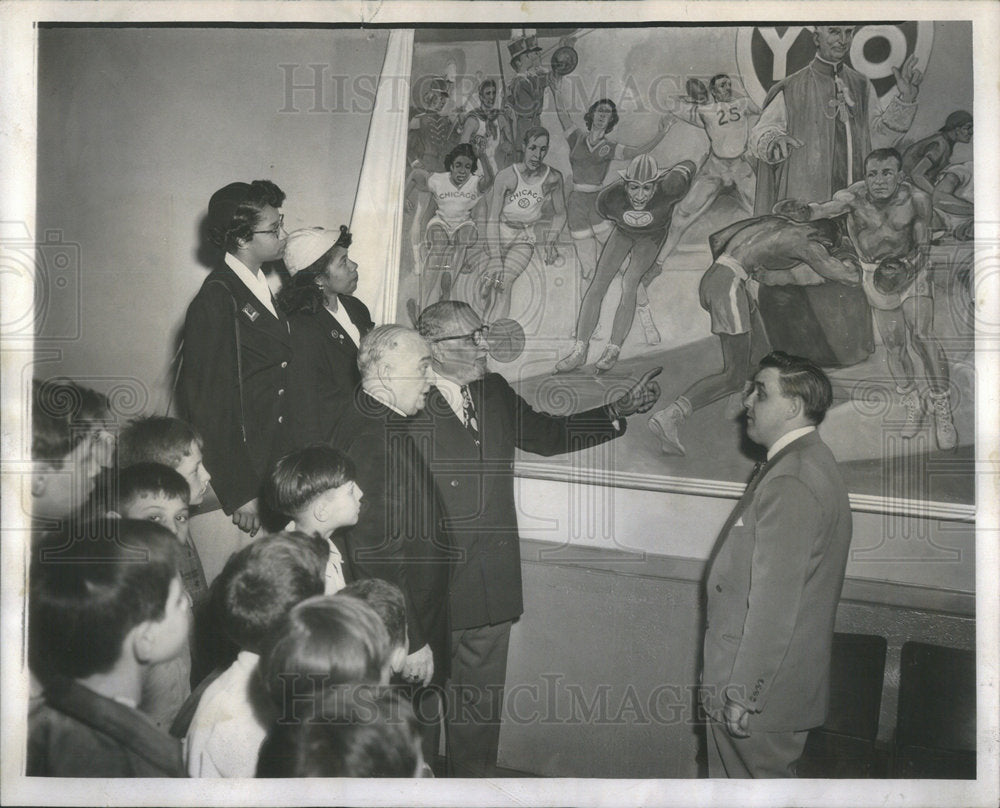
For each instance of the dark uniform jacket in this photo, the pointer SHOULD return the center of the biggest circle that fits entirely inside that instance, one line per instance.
(476, 484)
(242, 438)
(323, 373)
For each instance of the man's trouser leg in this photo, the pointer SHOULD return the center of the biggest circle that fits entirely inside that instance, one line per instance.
(475, 699)
(763, 754)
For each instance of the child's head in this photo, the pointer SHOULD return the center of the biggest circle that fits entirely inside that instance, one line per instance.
(170, 441)
(71, 441)
(316, 487)
(156, 493)
(387, 601)
(357, 732)
(324, 642)
(262, 582)
(100, 596)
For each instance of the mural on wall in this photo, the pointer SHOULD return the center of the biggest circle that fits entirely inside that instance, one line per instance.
(693, 197)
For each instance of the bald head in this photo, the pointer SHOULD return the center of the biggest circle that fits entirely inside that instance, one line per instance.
(395, 365)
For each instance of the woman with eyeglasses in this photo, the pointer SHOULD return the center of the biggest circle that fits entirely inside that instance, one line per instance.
(236, 350)
(327, 324)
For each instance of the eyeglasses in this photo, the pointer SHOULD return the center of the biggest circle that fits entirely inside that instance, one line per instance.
(477, 337)
(276, 229)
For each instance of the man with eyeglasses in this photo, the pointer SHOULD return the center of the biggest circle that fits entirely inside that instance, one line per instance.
(475, 421)
(237, 348)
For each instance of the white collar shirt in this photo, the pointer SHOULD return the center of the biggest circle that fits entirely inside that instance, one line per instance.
(256, 283)
(787, 438)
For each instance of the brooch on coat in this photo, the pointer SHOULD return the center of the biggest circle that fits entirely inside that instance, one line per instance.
(337, 335)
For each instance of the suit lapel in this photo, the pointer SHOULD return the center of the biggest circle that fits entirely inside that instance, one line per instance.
(451, 436)
(798, 444)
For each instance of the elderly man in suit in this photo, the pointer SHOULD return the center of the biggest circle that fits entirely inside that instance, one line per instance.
(237, 348)
(774, 582)
(399, 536)
(475, 421)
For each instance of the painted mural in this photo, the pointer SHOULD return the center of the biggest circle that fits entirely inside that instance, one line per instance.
(692, 197)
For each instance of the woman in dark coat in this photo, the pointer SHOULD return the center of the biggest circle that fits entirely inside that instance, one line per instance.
(327, 323)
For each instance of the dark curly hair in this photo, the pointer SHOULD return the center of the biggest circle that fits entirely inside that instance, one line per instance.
(589, 117)
(301, 292)
(461, 150)
(246, 217)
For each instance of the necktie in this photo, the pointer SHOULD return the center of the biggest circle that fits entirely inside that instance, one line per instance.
(469, 414)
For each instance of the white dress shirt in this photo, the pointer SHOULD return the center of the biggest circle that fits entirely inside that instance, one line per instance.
(256, 283)
(787, 438)
(346, 323)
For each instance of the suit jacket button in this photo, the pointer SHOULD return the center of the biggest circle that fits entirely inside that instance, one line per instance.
(281, 392)
(454, 483)
(281, 419)
(718, 588)
(284, 364)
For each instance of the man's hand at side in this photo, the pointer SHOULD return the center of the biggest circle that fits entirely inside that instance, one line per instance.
(736, 717)
(419, 666)
(246, 518)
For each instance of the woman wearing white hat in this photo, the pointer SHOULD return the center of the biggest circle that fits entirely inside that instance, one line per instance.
(639, 206)
(327, 323)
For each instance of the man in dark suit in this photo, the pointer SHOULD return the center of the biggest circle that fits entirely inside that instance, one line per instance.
(774, 582)
(237, 349)
(474, 421)
(399, 536)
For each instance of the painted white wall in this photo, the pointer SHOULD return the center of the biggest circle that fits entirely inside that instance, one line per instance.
(138, 127)
(924, 552)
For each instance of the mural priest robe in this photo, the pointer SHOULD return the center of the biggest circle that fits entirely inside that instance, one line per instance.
(829, 323)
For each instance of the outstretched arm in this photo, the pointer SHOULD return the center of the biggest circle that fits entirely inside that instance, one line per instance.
(687, 111)
(666, 121)
(888, 126)
(769, 138)
(555, 87)
(801, 211)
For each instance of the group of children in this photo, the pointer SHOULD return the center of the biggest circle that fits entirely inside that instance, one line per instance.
(141, 669)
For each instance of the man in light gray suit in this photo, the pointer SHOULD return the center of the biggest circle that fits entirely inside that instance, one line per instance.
(774, 582)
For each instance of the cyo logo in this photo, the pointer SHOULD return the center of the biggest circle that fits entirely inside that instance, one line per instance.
(767, 54)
